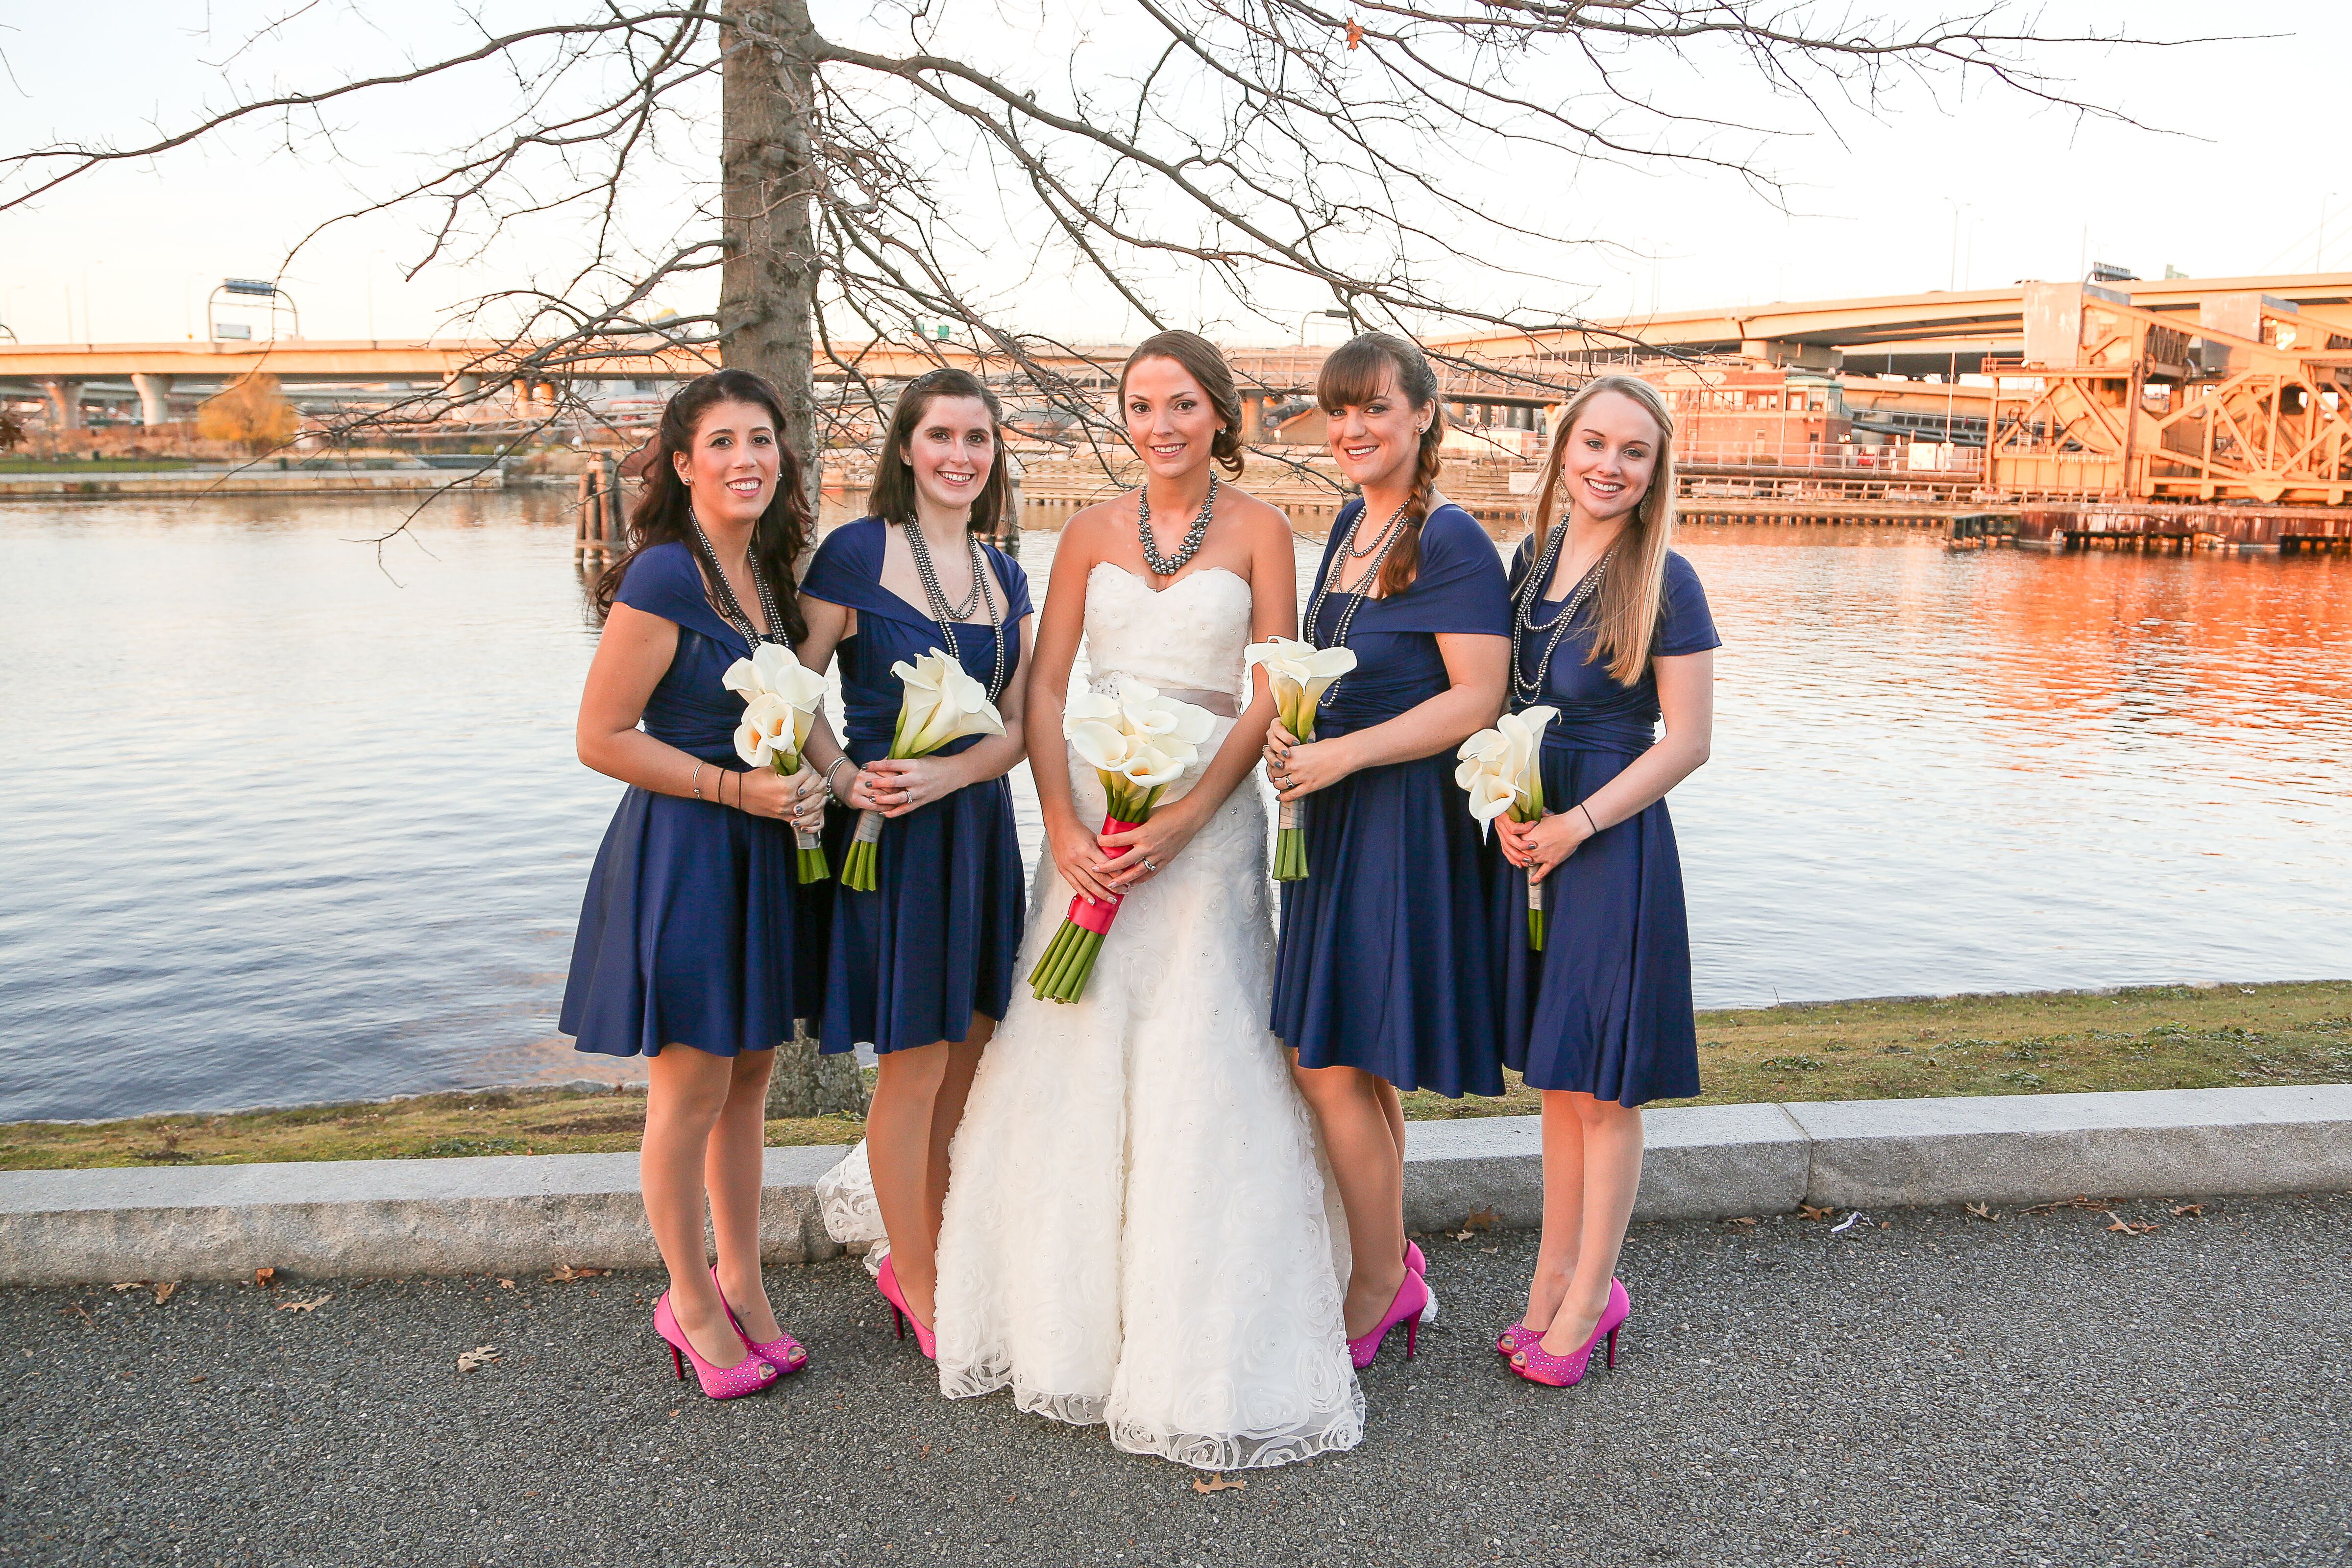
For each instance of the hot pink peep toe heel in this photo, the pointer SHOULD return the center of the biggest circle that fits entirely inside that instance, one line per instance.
(783, 1353)
(746, 1376)
(887, 1283)
(1411, 1298)
(1518, 1336)
(1538, 1365)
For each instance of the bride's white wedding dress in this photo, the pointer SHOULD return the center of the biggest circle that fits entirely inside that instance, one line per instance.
(1138, 1229)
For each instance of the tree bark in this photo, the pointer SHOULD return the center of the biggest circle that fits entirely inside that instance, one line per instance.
(767, 285)
(767, 313)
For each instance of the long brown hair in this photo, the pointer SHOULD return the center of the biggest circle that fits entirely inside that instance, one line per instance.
(1625, 610)
(1353, 377)
(664, 503)
(1205, 363)
(892, 496)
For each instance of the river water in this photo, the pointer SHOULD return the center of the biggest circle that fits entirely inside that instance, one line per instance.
(285, 818)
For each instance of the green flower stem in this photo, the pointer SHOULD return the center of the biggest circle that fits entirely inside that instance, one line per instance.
(813, 865)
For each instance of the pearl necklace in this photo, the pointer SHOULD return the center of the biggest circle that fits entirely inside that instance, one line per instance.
(728, 605)
(1390, 534)
(1523, 618)
(948, 614)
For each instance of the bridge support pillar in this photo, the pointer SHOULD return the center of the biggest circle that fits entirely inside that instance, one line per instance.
(65, 403)
(155, 398)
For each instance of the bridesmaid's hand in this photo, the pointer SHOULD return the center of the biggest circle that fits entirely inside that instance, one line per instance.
(809, 795)
(760, 792)
(1080, 860)
(1541, 847)
(1143, 852)
(1297, 767)
(899, 784)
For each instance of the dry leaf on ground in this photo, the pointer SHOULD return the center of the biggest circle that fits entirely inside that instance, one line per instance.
(2197, 1209)
(1810, 1212)
(1218, 1484)
(2130, 1227)
(265, 1278)
(1484, 1219)
(1742, 1219)
(481, 1355)
(566, 1271)
(163, 1291)
(1982, 1210)
(298, 1305)
(132, 1285)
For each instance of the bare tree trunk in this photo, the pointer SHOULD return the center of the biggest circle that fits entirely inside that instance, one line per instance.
(767, 303)
(767, 286)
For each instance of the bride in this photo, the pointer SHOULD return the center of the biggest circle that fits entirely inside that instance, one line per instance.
(1136, 1230)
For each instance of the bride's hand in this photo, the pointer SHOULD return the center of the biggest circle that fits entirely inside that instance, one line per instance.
(1143, 852)
(1080, 860)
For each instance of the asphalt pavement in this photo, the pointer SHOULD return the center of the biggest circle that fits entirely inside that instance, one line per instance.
(1920, 1387)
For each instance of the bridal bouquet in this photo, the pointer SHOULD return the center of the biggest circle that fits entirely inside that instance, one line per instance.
(941, 704)
(1139, 743)
(780, 696)
(1298, 673)
(1503, 770)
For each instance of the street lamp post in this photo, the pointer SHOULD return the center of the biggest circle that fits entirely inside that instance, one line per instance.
(252, 288)
(1335, 315)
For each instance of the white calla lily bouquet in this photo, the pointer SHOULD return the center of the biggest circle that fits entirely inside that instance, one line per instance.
(1503, 770)
(1299, 673)
(1139, 743)
(940, 702)
(780, 698)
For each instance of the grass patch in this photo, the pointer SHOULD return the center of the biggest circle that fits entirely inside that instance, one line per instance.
(422, 1127)
(71, 466)
(2039, 1042)
(2052, 1042)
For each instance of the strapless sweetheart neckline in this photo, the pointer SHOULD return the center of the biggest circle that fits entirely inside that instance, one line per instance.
(1143, 582)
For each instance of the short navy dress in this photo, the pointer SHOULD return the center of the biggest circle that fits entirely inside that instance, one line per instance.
(1605, 1008)
(694, 931)
(1384, 962)
(939, 937)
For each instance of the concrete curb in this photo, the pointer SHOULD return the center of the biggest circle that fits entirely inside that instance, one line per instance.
(526, 1212)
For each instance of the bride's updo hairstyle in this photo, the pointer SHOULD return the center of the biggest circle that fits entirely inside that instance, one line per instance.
(892, 497)
(1205, 363)
(664, 503)
(1352, 377)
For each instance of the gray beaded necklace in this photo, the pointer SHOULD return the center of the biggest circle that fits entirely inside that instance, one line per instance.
(1169, 565)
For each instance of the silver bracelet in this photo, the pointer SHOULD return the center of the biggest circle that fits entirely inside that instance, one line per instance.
(695, 783)
(828, 774)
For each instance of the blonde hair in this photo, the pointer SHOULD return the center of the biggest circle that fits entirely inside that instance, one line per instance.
(1625, 610)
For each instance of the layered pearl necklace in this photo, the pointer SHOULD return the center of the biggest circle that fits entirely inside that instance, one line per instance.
(1523, 619)
(728, 605)
(1384, 542)
(1169, 565)
(948, 614)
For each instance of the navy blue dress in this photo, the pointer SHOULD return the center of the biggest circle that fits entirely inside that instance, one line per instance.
(938, 938)
(694, 931)
(1605, 1008)
(1384, 962)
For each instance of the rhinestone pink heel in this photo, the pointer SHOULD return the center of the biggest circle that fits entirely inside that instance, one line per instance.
(887, 1283)
(746, 1376)
(1412, 1298)
(783, 1353)
(1538, 1365)
(1518, 1336)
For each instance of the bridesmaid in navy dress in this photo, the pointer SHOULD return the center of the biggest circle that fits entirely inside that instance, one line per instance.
(1611, 629)
(697, 947)
(1384, 979)
(922, 966)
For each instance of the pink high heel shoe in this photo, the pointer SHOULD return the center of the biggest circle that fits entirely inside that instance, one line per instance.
(1538, 1365)
(1518, 1336)
(1412, 1298)
(746, 1376)
(887, 1283)
(783, 1353)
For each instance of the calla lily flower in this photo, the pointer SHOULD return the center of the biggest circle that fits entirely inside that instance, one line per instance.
(768, 730)
(1100, 746)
